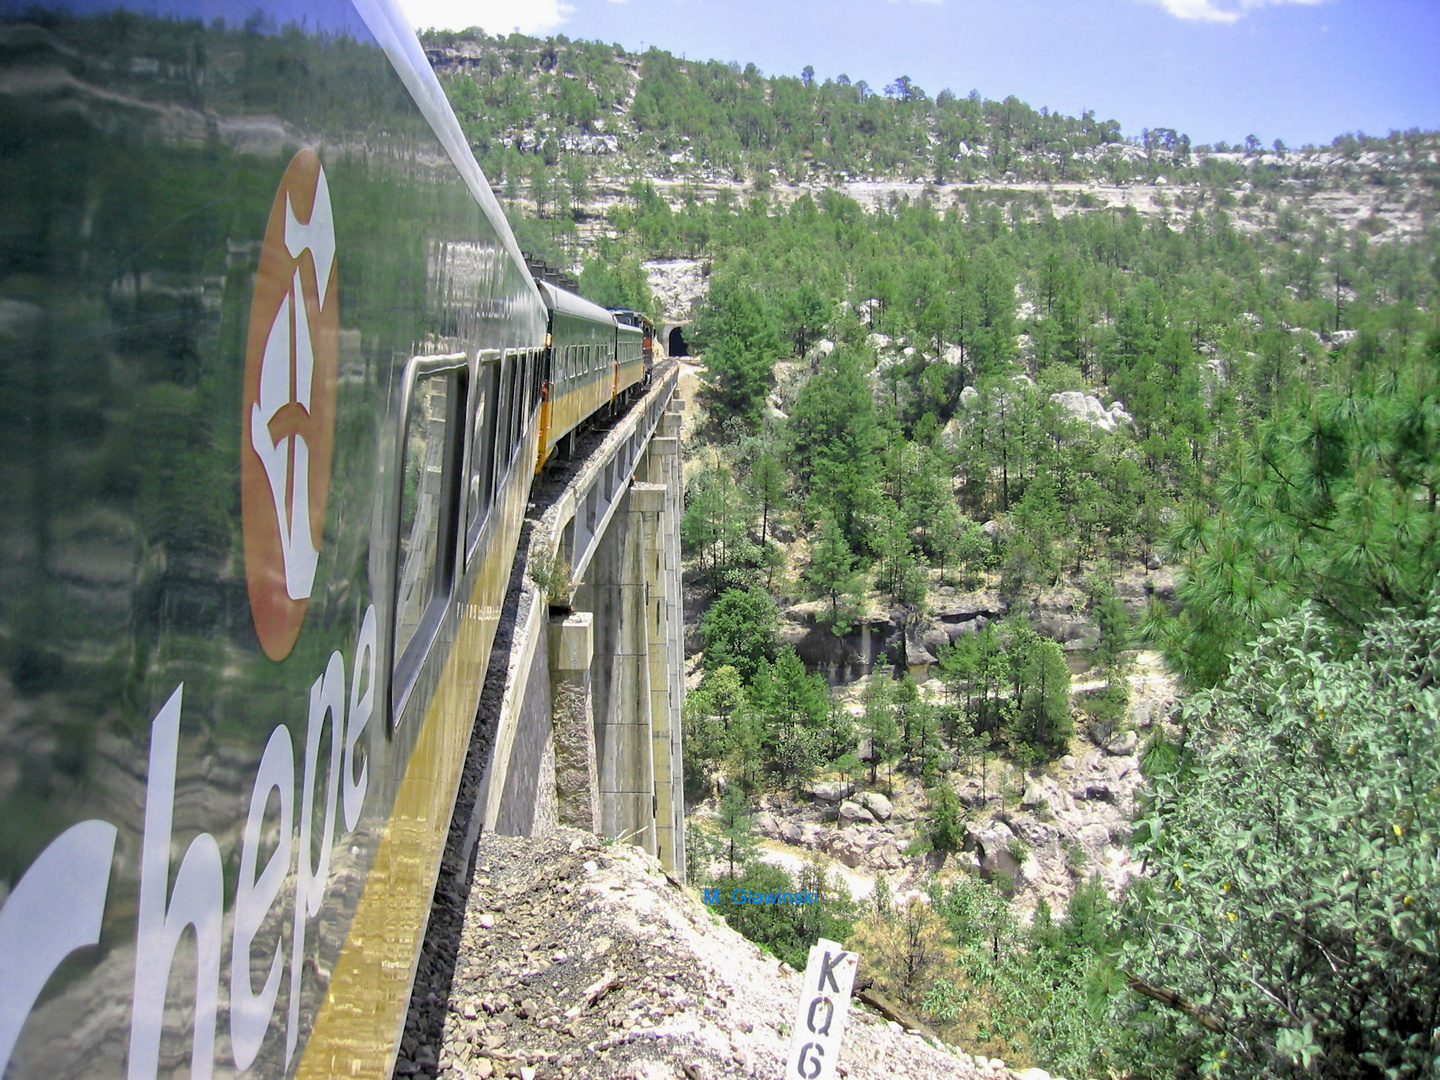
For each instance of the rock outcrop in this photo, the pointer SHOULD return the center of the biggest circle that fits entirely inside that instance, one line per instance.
(1087, 409)
(678, 285)
(1065, 824)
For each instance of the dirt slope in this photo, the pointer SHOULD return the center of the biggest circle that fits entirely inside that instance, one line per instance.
(577, 958)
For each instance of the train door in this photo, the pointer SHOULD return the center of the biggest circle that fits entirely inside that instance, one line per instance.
(432, 440)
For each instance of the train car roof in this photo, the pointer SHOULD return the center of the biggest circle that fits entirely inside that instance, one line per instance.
(557, 299)
(392, 29)
(631, 317)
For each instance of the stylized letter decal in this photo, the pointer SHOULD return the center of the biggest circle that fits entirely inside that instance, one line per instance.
(250, 1012)
(196, 901)
(54, 910)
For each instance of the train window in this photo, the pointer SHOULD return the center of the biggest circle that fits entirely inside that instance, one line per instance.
(482, 448)
(536, 378)
(522, 364)
(429, 508)
(504, 441)
(517, 399)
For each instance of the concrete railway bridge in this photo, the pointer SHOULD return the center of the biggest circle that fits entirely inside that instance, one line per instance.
(588, 731)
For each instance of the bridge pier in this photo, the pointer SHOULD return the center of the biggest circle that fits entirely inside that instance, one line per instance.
(667, 644)
(572, 721)
(617, 591)
(608, 705)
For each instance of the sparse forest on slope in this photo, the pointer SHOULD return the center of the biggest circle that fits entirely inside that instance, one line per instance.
(992, 396)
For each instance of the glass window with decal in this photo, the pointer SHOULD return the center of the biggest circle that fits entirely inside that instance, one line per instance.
(429, 510)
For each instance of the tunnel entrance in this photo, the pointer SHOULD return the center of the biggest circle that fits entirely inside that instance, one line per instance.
(677, 344)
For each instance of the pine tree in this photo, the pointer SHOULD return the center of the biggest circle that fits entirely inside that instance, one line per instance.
(716, 528)
(736, 826)
(795, 707)
(741, 340)
(766, 485)
(877, 724)
(1046, 703)
(739, 629)
(831, 576)
(836, 443)
(1337, 501)
(708, 717)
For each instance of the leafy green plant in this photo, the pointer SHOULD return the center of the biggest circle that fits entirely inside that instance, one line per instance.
(1290, 920)
(943, 827)
(551, 576)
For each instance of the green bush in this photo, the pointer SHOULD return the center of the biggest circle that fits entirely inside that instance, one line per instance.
(1291, 915)
(739, 630)
(788, 930)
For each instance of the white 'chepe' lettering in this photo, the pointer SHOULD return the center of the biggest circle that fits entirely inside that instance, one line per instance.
(58, 905)
(54, 910)
(196, 901)
(250, 1012)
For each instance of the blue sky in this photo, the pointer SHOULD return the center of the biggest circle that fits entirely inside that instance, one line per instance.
(1299, 70)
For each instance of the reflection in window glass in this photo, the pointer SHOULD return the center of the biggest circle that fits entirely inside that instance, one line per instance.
(422, 505)
(481, 448)
(504, 439)
(517, 403)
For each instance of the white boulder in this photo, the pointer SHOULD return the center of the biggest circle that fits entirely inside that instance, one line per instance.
(1087, 409)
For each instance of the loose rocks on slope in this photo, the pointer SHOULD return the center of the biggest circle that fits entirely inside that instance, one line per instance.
(582, 959)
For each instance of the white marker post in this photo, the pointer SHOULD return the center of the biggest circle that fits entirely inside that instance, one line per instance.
(820, 1018)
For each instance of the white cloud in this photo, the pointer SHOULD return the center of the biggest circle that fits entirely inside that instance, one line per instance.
(494, 16)
(1221, 11)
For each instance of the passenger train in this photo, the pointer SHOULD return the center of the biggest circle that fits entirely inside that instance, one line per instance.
(275, 382)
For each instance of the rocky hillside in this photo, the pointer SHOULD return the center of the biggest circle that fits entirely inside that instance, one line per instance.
(1042, 833)
(576, 957)
(572, 132)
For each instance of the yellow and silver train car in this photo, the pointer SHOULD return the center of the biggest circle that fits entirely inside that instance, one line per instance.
(271, 372)
(595, 362)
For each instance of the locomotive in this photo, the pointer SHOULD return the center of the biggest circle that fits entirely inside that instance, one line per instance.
(275, 382)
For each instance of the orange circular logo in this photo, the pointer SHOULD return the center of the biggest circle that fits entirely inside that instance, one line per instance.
(287, 421)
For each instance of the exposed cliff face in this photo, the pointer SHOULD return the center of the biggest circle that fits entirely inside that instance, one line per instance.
(572, 957)
(679, 287)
